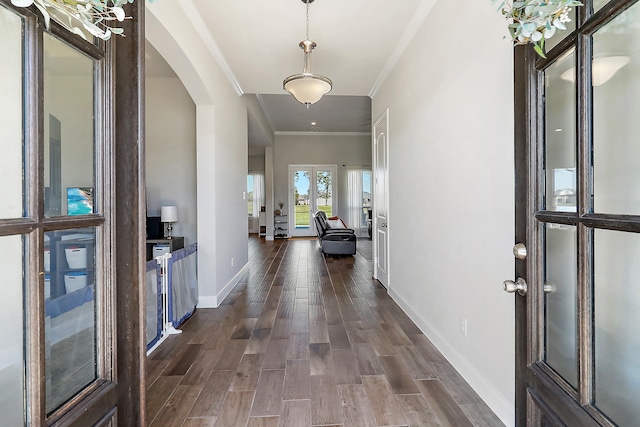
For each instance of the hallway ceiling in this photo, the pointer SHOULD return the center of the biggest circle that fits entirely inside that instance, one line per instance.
(358, 41)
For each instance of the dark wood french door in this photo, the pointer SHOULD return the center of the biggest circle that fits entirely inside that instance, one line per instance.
(71, 204)
(577, 266)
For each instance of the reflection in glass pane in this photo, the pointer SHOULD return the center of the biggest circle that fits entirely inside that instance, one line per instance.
(560, 136)
(11, 190)
(70, 310)
(324, 189)
(69, 128)
(301, 199)
(560, 301)
(617, 316)
(12, 334)
(616, 79)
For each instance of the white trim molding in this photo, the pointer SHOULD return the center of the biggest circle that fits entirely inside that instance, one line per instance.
(501, 406)
(214, 301)
(415, 23)
(200, 26)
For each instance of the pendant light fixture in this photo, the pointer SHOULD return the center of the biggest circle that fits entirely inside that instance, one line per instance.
(307, 88)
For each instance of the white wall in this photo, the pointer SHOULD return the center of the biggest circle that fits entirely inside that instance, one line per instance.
(221, 135)
(171, 153)
(323, 149)
(450, 100)
(256, 163)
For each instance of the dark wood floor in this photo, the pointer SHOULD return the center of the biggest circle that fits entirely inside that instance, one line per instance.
(305, 340)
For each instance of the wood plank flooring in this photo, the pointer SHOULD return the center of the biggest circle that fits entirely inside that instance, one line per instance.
(306, 340)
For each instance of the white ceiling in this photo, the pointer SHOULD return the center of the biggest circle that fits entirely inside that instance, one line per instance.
(358, 43)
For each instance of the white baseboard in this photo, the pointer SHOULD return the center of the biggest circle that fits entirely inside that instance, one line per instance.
(207, 302)
(214, 301)
(501, 406)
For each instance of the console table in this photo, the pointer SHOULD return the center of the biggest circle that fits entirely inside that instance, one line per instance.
(174, 243)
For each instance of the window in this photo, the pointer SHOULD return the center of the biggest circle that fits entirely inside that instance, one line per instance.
(255, 193)
(359, 187)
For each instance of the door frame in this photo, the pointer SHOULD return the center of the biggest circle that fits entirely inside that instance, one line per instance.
(384, 118)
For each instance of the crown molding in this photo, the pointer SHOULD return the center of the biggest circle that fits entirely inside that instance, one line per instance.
(414, 25)
(201, 28)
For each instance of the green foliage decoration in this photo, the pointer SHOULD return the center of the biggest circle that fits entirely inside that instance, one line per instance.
(534, 21)
(97, 17)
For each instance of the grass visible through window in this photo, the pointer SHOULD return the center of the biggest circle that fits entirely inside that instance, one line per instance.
(303, 215)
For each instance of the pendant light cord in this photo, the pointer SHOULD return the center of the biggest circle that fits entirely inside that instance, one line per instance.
(307, 19)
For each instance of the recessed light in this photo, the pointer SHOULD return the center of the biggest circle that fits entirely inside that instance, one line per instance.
(559, 130)
(313, 123)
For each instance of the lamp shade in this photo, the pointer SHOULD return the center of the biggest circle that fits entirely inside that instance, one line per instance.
(169, 214)
(307, 88)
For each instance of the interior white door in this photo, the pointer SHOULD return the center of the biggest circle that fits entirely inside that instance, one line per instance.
(381, 199)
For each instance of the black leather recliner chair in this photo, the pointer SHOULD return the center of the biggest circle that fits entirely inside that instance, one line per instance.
(334, 237)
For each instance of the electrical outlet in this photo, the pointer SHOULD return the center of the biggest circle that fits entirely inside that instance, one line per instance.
(232, 260)
(463, 326)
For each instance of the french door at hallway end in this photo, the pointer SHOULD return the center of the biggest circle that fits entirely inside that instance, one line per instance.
(311, 188)
(578, 223)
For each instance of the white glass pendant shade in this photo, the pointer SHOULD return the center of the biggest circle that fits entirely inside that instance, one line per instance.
(307, 88)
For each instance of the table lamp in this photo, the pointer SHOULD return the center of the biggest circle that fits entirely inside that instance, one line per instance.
(169, 214)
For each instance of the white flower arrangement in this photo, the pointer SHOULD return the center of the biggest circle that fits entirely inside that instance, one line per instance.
(96, 16)
(534, 21)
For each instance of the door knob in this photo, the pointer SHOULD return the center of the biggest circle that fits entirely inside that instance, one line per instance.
(519, 286)
(520, 251)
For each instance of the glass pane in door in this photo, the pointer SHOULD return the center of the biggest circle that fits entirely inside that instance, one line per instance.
(616, 85)
(301, 199)
(69, 135)
(560, 285)
(560, 135)
(12, 405)
(70, 314)
(324, 191)
(11, 170)
(598, 4)
(617, 316)
(561, 35)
